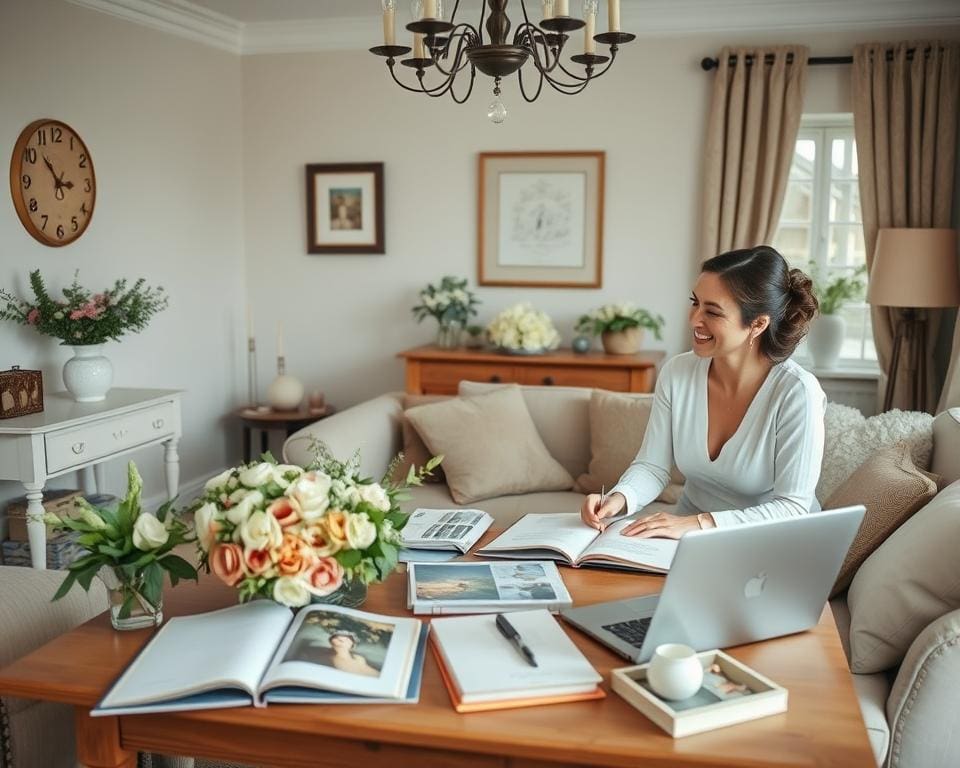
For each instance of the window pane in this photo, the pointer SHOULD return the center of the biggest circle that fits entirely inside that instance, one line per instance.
(798, 201)
(845, 246)
(844, 159)
(845, 201)
(858, 340)
(804, 158)
(794, 243)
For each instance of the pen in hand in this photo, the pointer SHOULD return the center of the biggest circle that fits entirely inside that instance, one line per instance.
(507, 630)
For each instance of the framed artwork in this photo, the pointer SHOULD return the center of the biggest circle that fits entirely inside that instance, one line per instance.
(345, 208)
(540, 219)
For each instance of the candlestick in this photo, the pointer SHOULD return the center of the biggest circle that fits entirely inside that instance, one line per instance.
(589, 46)
(252, 396)
(613, 12)
(389, 19)
(418, 46)
(279, 339)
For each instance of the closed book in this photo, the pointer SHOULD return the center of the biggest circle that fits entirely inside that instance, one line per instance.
(484, 668)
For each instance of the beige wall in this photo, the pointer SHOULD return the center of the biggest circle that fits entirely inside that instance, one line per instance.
(346, 316)
(160, 116)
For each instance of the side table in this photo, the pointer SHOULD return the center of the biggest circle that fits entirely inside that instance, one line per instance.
(269, 420)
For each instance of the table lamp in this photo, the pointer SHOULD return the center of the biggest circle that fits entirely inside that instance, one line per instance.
(913, 269)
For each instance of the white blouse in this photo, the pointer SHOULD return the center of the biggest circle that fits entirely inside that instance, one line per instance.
(769, 467)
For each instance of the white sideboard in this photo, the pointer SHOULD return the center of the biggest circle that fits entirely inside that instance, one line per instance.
(69, 436)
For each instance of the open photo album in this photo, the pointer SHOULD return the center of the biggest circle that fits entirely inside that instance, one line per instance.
(261, 652)
(564, 537)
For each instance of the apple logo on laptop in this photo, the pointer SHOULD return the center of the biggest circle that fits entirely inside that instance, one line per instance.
(754, 586)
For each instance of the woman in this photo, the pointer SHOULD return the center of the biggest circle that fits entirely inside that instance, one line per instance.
(345, 658)
(742, 422)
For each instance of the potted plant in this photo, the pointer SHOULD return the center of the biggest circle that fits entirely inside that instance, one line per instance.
(452, 304)
(620, 327)
(828, 329)
(475, 336)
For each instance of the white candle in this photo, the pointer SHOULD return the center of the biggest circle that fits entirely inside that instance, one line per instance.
(562, 7)
(418, 46)
(613, 11)
(429, 9)
(279, 339)
(588, 43)
(389, 37)
(547, 9)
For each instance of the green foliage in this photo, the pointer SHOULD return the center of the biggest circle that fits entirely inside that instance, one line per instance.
(832, 294)
(450, 302)
(619, 317)
(83, 317)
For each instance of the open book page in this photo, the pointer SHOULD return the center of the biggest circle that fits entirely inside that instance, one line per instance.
(541, 536)
(445, 528)
(228, 648)
(340, 649)
(651, 554)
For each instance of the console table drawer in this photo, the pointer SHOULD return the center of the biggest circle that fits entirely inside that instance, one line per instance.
(79, 445)
(440, 378)
(614, 379)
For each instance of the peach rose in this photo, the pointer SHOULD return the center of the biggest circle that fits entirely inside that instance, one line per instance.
(323, 577)
(226, 561)
(318, 539)
(285, 512)
(335, 522)
(295, 557)
(257, 561)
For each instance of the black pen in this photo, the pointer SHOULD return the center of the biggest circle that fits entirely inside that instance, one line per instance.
(507, 630)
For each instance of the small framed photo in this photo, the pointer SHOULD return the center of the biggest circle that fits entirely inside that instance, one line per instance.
(731, 693)
(345, 208)
(540, 221)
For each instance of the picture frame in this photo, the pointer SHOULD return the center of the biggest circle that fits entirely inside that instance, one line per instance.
(540, 219)
(761, 697)
(345, 212)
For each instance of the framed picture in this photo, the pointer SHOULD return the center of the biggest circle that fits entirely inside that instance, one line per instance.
(541, 219)
(345, 208)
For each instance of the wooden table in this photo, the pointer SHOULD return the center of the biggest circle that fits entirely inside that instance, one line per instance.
(431, 370)
(269, 420)
(822, 727)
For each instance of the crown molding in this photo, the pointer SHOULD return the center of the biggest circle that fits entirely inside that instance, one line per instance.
(649, 19)
(177, 17)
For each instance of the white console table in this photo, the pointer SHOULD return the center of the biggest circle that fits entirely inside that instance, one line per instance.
(69, 436)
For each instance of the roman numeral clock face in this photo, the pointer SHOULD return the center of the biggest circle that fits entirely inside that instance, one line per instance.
(52, 182)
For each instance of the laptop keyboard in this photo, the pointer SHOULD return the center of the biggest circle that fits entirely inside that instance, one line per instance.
(632, 631)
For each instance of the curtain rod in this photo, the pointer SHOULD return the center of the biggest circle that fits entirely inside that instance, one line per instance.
(707, 63)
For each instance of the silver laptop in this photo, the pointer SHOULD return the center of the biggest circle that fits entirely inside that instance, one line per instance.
(729, 586)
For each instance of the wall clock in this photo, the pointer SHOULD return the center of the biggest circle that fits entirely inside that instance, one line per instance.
(52, 182)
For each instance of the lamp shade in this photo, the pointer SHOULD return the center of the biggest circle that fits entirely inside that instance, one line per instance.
(915, 268)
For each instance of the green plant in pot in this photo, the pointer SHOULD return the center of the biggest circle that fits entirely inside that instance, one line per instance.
(828, 329)
(475, 339)
(620, 327)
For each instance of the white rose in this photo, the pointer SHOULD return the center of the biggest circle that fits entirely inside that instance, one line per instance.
(375, 495)
(149, 533)
(261, 531)
(311, 493)
(241, 511)
(361, 532)
(257, 475)
(202, 520)
(281, 471)
(215, 483)
(290, 591)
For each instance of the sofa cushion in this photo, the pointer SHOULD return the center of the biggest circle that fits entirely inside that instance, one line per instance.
(617, 425)
(892, 489)
(490, 446)
(909, 581)
(560, 415)
(872, 692)
(415, 451)
(850, 439)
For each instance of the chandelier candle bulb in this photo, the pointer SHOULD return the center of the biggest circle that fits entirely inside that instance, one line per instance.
(589, 18)
(429, 9)
(547, 9)
(562, 7)
(389, 21)
(418, 52)
(613, 12)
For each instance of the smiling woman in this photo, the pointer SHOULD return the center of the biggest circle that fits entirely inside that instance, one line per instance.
(740, 420)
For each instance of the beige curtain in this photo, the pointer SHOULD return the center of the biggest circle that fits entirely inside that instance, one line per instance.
(751, 132)
(905, 120)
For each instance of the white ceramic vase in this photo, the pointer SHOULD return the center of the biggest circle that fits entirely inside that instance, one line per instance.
(825, 340)
(285, 393)
(675, 672)
(88, 374)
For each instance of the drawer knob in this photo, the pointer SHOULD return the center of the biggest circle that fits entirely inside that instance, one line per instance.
(78, 447)
(495, 378)
(120, 434)
(157, 423)
(548, 380)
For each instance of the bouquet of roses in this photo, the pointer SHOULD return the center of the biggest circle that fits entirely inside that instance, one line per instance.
(290, 534)
(523, 328)
(450, 302)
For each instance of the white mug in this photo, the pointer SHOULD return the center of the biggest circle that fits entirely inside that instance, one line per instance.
(675, 672)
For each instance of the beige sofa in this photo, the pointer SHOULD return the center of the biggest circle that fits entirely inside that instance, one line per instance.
(918, 703)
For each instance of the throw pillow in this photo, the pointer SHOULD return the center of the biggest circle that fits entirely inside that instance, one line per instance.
(908, 582)
(490, 446)
(414, 450)
(892, 489)
(849, 439)
(617, 425)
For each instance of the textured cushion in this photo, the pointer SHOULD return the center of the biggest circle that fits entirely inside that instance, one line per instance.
(892, 489)
(617, 425)
(490, 446)
(849, 439)
(560, 416)
(910, 580)
(415, 451)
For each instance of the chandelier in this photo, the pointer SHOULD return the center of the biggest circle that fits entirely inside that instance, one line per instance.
(443, 50)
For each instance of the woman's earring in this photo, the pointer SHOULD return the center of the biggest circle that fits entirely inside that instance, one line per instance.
(752, 338)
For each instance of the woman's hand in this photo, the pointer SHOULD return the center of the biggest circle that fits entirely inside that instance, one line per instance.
(592, 513)
(662, 525)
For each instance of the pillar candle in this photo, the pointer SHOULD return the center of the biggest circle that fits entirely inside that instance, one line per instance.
(613, 11)
(562, 7)
(547, 9)
(588, 43)
(418, 46)
(429, 9)
(389, 38)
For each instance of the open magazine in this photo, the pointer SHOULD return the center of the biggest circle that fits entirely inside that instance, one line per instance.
(451, 529)
(485, 587)
(564, 536)
(261, 652)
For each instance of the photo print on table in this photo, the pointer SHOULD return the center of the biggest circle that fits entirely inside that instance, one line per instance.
(347, 643)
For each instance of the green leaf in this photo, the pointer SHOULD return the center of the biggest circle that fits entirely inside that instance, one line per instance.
(86, 576)
(65, 585)
(127, 607)
(153, 583)
(106, 549)
(434, 462)
(348, 558)
(268, 457)
(176, 565)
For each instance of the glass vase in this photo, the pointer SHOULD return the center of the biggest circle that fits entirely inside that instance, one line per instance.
(448, 334)
(129, 608)
(350, 594)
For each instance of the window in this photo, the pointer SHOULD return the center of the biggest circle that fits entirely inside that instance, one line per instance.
(820, 221)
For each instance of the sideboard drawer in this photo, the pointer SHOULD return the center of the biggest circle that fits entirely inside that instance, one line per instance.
(614, 379)
(80, 445)
(443, 378)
